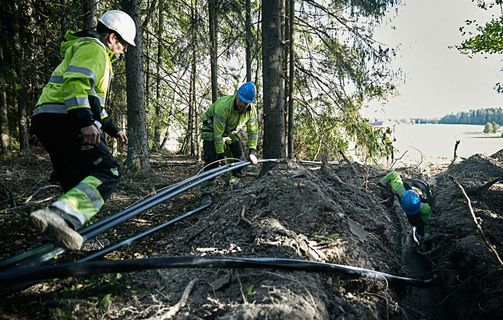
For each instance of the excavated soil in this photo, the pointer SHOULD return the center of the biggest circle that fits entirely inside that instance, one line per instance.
(331, 213)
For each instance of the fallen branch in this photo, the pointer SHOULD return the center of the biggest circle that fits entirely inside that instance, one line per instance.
(490, 246)
(36, 192)
(396, 160)
(172, 311)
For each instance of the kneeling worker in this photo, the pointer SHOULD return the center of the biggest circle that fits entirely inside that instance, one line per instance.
(222, 120)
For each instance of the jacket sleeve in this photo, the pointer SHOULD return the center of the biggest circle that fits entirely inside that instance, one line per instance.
(87, 64)
(252, 129)
(425, 213)
(219, 119)
(109, 126)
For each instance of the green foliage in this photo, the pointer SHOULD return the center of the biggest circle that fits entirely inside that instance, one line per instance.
(488, 39)
(320, 238)
(491, 127)
(249, 292)
(340, 68)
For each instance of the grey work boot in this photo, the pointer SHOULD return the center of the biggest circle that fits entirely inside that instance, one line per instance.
(64, 234)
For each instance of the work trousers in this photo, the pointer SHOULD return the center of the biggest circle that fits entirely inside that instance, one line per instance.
(210, 155)
(88, 174)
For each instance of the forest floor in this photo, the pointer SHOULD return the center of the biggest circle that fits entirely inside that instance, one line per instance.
(332, 213)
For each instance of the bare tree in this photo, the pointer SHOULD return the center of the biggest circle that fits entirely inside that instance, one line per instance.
(22, 92)
(90, 13)
(4, 118)
(158, 104)
(138, 155)
(291, 77)
(274, 125)
(212, 8)
(249, 41)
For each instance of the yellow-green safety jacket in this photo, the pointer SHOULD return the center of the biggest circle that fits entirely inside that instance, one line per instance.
(387, 138)
(223, 120)
(80, 83)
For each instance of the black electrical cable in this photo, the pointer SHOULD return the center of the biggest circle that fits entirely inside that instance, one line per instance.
(100, 253)
(46, 248)
(154, 202)
(141, 235)
(101, 226)
(96, 267)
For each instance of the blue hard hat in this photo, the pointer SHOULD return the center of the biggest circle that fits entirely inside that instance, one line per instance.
(411, 202)
(247, 92)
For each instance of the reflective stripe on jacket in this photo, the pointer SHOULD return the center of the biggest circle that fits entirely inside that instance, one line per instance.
(223, 120)
(81, 80)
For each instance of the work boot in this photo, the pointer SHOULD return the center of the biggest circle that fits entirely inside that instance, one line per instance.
(64, 235)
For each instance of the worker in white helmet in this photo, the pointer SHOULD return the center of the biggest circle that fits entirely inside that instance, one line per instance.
(69, 120)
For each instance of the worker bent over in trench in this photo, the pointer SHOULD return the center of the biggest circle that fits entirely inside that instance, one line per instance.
(415, 206)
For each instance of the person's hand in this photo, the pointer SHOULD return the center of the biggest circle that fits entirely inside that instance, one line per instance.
(252, 156)
(90, 135)
(121, 136)
(221, 158)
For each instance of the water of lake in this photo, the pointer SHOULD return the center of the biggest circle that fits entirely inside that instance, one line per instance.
(436, 142)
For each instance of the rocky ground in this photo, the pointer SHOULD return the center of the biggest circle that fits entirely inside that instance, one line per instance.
(332, 213)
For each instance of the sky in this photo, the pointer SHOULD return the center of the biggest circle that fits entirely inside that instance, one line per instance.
(438, 80)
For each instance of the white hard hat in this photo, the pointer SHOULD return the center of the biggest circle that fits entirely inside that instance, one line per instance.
(121, 23)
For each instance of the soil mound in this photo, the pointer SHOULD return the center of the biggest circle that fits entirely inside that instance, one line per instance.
(469, 241)
(334, 214)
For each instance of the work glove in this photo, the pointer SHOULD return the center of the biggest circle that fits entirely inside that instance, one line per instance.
(221, 156)
(252, 156)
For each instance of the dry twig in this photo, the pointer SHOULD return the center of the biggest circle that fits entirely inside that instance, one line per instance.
(172, 311)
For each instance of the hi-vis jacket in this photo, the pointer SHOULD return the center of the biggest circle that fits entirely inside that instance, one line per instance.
(223, 120)
(80, 83)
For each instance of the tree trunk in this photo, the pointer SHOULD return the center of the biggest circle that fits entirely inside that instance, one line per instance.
(274, 125)
(249, 41)
(212, 8)
(90, 14)
(291, 78)
(193, 112)
(22, 92)
(4, 114)
(148, 42)
(285, 35)
(158, 104)
(138, 153)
